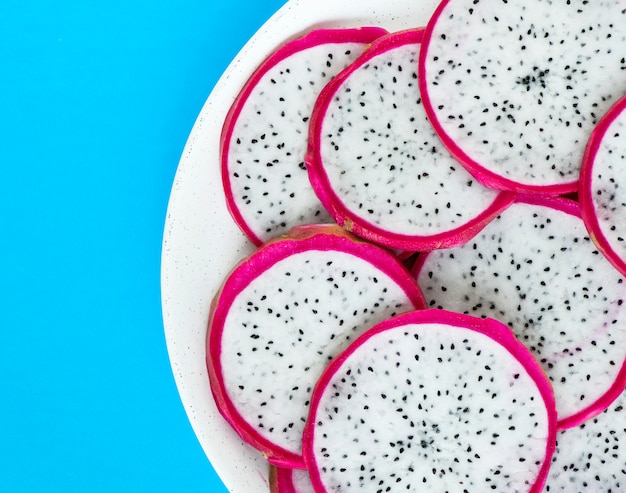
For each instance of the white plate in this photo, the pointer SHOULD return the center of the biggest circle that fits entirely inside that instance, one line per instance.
(201, 243)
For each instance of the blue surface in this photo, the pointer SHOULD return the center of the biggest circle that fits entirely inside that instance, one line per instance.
(97, 100)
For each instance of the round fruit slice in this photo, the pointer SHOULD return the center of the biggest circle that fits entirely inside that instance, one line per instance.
(535, 269)
(603, 185)
(432, 401)
(282, 315)
(264, 136)
(376, 163)
(514, 87)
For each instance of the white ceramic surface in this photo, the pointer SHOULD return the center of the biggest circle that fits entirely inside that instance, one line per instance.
(201, 243)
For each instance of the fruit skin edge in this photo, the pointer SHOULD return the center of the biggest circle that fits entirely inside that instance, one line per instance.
(482, 174)
(281, 480)
(585, 193)
(365, 34)
(299, 239)
(491, 328)
(335, 206)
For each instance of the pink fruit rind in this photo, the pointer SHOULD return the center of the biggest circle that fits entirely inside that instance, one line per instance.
(489, 327)
(333, 203)
(317, 37)
(572, 208)
(299, 239)
(480, 172)
(585, 192)
(281, 480)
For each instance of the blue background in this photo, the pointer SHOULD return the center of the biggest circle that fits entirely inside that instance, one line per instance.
(96, 102)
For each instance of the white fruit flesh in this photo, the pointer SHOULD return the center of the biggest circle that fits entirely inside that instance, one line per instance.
(536, 270)
(301, 481)
(381, 157)
(517, 86)
(429, 407)
(285, 326)
(268, 180)
(592, 456)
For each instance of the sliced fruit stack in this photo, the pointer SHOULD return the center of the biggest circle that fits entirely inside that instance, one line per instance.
(436, 302)
(283, 314)
(264, 136)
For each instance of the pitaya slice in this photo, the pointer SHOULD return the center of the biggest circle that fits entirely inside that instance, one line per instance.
(535, 269)
(432, 401)
(514, 87)
(282, 315)
(377, 165)
(603, 185)
(264, 137)
(592, 456)
(284, 480)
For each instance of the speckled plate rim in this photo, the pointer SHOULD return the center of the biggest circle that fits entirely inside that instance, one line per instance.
(201, 243)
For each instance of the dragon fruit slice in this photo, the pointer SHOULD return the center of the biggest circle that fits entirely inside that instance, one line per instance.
(432, 401)
(264, 137)
(602, 193)
(535, 269)
(282, 315)
(376, 163)
(590, 457)
(284, 480)
(514, 87)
